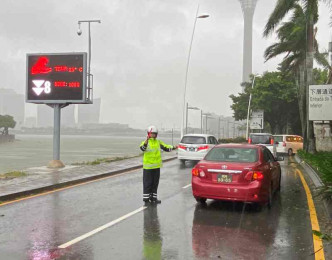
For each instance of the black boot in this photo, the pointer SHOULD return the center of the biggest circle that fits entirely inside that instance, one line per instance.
(156, 201)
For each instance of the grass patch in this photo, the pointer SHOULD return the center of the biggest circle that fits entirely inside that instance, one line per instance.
(105, 160)
(12, 175)
(322, 163)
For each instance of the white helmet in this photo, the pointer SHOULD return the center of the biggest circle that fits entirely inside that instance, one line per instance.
(152, 129)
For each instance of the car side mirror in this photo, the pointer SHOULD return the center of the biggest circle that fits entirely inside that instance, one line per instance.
(280, 158)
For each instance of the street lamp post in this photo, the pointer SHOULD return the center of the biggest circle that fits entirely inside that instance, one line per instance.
(201, 121)
(252, 86)
(79, 32)
(187, 69)
(187, 108)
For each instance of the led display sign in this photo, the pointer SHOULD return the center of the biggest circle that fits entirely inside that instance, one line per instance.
(56, 78)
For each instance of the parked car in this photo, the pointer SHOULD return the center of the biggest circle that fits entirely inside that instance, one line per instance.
(264, 139)
(288, 143)
(237, 172)
(193, 147)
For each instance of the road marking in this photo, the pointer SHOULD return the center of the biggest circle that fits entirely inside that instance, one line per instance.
(187, 186)
(65, 188)
(318, 244)
(97, 230)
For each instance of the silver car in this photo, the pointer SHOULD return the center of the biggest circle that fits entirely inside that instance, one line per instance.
(194, 147)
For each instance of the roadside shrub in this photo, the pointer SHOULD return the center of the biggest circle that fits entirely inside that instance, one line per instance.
(322, 163)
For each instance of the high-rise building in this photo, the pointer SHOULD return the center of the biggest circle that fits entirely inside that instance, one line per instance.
(30, 122)
(68, 116)
(89, 113)
(248, 9)
(45, 116)
(12, 104)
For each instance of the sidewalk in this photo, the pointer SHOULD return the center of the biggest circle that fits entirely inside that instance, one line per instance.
(41, 179)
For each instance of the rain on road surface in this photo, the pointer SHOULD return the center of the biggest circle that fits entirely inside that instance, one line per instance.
(176, 229)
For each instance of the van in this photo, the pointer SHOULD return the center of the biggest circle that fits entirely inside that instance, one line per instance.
(288, 143)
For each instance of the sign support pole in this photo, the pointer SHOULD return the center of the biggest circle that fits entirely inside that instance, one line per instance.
(56, 163)
(56, 132)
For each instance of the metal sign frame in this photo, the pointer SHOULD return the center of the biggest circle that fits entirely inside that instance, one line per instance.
(84, 100)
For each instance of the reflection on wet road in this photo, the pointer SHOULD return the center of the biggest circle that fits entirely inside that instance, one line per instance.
(176, 229)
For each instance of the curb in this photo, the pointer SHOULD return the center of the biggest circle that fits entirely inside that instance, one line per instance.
(35, 191)
(311, 172)
(317, 182)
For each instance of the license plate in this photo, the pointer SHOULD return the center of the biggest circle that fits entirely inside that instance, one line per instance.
(191, 149)
(224, 178)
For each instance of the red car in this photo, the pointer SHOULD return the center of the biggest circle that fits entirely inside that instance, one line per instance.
(237, 172)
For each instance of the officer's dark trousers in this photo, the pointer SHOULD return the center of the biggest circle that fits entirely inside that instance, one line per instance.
(150, 183)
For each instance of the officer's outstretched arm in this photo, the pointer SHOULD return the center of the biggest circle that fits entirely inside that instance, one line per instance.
(166, 147)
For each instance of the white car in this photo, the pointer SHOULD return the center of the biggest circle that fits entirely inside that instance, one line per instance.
(194, 147)
(265, 139)
(288, 143)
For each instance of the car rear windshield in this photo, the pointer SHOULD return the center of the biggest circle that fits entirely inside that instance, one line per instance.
(260, 139)
(221, 154)
(193, 140)
(278, 138)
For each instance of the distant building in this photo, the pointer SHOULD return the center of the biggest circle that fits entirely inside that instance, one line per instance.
(89, 114)
(30, 122)
(12, 104)
(68, 116)
(45, 116)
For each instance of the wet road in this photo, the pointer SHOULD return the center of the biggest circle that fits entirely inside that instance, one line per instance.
(176, 229)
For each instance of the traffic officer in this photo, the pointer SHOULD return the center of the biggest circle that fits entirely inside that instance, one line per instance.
(152, 163)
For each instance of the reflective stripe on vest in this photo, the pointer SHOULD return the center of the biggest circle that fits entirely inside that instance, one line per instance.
(151, 166)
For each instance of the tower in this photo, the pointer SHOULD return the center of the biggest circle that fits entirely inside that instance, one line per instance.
(248, 9)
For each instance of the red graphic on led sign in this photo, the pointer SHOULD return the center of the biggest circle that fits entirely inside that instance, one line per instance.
(40, 66)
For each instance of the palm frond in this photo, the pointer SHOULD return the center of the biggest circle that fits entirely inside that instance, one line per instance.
(281, 9)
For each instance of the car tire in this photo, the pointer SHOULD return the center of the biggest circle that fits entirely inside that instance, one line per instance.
(290, 152)
(201, 200)
(258, 207)
(270, 198)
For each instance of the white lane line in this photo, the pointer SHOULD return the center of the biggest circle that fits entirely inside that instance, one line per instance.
(187, 186)
(93, 232)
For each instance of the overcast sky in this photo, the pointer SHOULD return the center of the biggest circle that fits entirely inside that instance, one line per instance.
(140, 51)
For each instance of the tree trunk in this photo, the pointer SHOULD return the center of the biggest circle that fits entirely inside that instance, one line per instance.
(311, 142)
(302, 104)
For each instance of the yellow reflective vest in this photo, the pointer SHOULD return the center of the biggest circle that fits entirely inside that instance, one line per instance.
(152, 153)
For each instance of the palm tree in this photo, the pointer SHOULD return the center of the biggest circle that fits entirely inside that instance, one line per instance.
(292, 42)
(298, 37)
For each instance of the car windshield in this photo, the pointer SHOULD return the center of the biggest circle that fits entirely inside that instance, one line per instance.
(193, 140)
(260, 139)
(222, 154)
